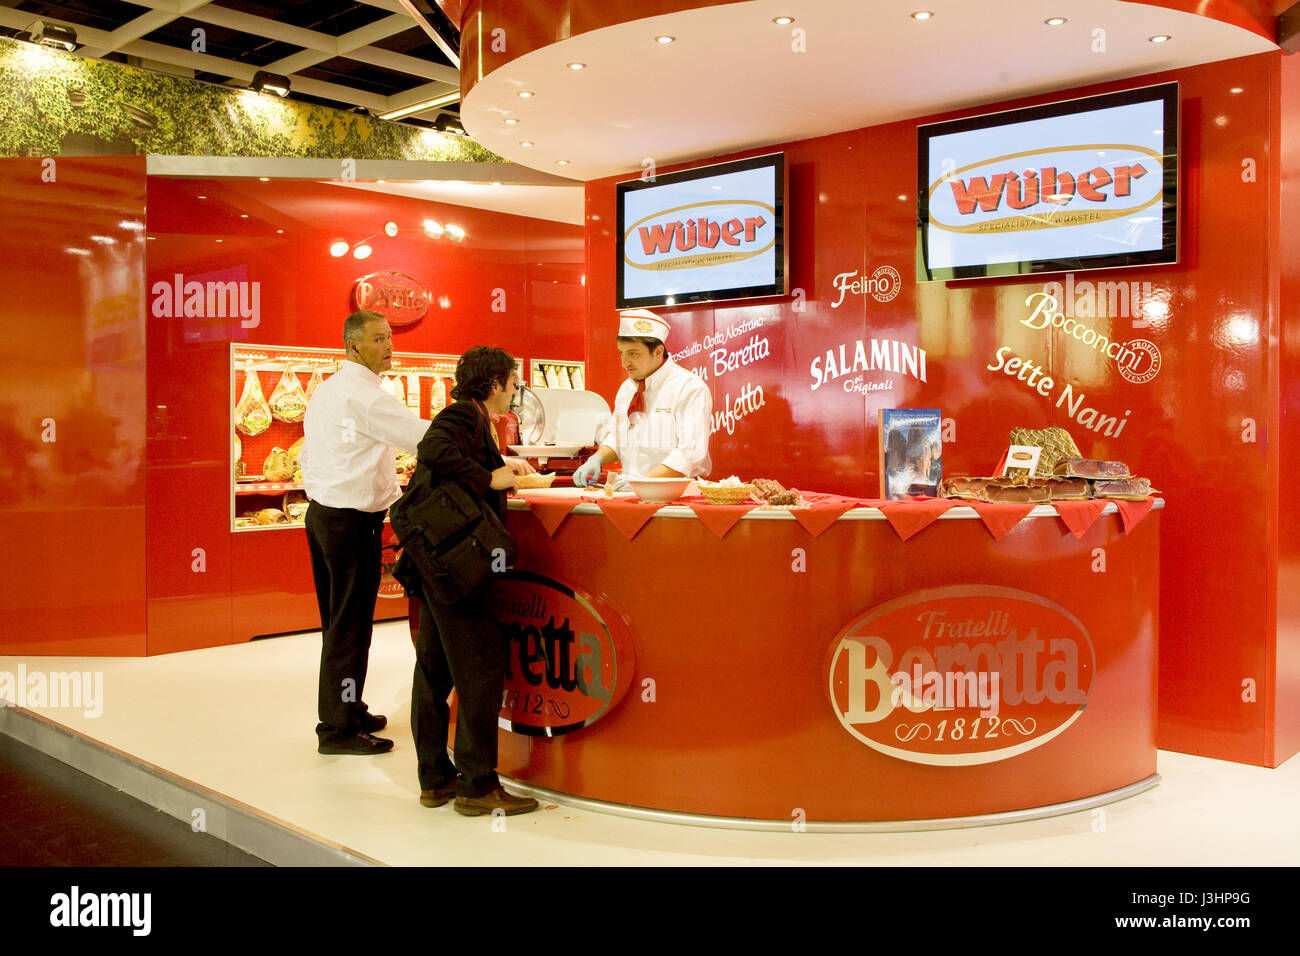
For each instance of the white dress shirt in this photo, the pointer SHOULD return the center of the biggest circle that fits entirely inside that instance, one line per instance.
(351, 428)
(674, 428)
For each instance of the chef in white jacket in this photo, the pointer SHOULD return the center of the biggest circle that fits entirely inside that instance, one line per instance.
(662, 415)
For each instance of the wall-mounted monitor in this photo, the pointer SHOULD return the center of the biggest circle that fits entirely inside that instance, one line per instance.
(703, 235)
(1083, 184)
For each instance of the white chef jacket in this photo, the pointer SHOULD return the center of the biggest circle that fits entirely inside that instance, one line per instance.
(674, 429)
(352, 424)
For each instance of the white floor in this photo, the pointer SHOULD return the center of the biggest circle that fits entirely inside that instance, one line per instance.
(239, 720)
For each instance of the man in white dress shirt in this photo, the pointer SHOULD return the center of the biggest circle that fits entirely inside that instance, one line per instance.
(662, 415)
(349, 474)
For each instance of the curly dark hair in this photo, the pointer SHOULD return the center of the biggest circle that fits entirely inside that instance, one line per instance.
(649, 343)
(479, 369)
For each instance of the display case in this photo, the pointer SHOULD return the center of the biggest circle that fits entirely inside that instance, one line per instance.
(556, 373)
(267, 422)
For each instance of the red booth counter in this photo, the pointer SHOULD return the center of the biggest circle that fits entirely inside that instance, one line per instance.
(755, 672)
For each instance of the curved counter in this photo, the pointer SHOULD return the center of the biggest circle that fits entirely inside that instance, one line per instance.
(847, 677)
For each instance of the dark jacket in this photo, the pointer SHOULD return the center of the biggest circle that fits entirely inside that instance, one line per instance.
(459, 445)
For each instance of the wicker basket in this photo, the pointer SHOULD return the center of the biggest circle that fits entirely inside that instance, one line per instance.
(726, 494)
(525, 482)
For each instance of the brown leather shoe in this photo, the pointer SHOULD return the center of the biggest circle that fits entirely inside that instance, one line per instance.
(438, 795)
(498, 799)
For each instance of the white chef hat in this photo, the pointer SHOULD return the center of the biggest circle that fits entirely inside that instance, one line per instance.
(642, 323)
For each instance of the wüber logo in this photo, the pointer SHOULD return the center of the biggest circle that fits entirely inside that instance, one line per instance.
(700, 234)
(960, 675)
(569, 660)
(399, 298)
(194, 299)
(1047, 189)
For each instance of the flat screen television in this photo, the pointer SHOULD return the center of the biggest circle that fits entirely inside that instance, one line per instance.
(703, 235)
(1090, 183)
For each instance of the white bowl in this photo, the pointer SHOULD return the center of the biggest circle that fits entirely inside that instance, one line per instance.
(659, 489)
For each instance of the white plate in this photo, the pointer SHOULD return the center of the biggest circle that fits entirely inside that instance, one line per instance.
(546, 451)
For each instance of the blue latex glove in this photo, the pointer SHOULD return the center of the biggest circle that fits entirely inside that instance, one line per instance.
(588, 473)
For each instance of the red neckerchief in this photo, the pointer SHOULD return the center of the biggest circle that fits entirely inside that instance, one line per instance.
(638, 400)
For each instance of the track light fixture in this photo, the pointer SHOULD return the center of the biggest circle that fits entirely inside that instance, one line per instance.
(50, 34)
(264, 82)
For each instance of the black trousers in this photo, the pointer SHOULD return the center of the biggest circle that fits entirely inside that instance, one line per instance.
(345, 562)
(458, 645)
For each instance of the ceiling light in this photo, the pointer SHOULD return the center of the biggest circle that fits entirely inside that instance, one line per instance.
(512, 121)
(390, 229)
(433, 229)
(783, 20)
(1235, 89)
(576, 66)
(561, 162)
(449, 124)
(362, 252)
(243, 215)
(1160, 38)
(50, 34)
(264, 82)
(456, 232)
(421, 106)
(1055, 21)
(264, 179)
(664, 39)
(526, 94)
(922, 14)
(525, 142)
(339, 247)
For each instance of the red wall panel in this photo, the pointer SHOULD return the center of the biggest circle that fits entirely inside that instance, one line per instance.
(72, 554)
(1203, 429)
(1286, 693)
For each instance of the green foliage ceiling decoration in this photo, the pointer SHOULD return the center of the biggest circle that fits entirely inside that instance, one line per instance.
(54, 103)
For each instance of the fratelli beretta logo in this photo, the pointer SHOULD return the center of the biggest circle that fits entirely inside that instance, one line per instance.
(700, 234)
(396, 296)
(960, 675)
(569, 659)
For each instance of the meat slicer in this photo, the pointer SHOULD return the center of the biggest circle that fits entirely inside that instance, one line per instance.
(558, 427)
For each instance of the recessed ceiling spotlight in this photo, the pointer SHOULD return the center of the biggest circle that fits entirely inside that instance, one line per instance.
(202, 197)
(561, 162)
(362, 252)
(1235, 89)
(525, 142)
(265, 179)
(1160, 38)
(390, 229)
(525, 94)
(576, 66)
(783, 20)
(512, 121)
(922, 14)
(664, 39)
(243, 215)
(339, 247)
(1055, 21)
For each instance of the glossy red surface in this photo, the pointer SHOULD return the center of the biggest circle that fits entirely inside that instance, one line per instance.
(1286, 664)
(72, 407)
(1205, 429)
(729, 713)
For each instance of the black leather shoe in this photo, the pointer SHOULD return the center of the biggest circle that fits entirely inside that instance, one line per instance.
(360, 743)
(438, 795)
(372, 723)
(498, 799)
